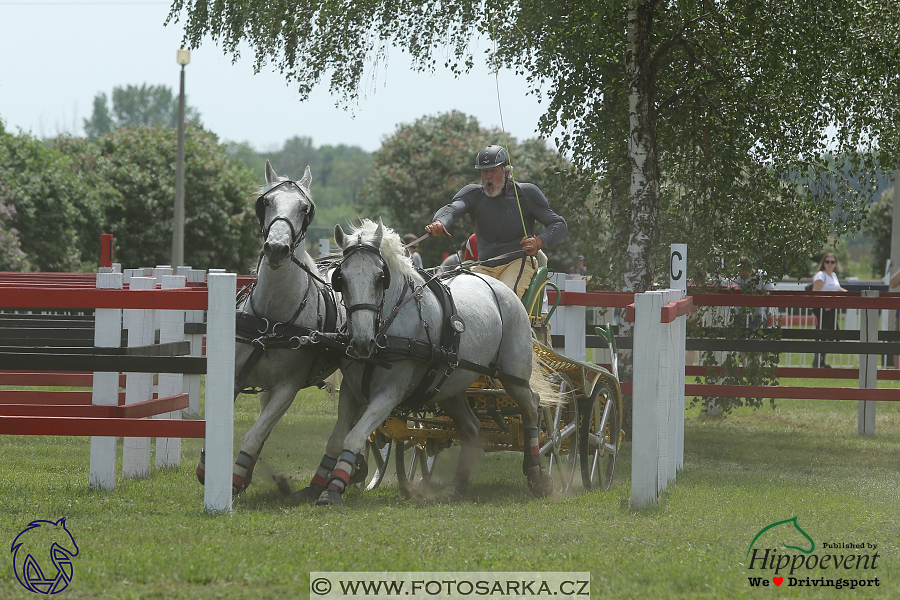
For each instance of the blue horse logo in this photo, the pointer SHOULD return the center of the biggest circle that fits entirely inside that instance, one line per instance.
(36, 540)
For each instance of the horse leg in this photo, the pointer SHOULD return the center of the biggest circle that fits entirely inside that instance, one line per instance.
(346, 414)
(539, 482)
(274, 405)
(467, 425)
(380, 406)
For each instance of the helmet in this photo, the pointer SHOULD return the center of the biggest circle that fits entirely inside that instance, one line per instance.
(492, 156)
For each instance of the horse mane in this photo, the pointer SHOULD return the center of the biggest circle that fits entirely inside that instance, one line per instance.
(391, 248)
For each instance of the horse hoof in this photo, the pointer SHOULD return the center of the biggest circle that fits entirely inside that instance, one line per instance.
(201, 467)
(361, 471)
(455, 492)
(330, 498)
(540, 484)
(307, 495)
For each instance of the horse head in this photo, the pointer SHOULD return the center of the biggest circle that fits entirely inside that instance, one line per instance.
(371, 253)
(285, 210)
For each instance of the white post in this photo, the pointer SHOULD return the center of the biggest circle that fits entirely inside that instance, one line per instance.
(664, 392)
(645, 423)
(192, 382)
(219, 392)
(575, 323)
(138, 386)
(324, 247)
(679, 391)
(107, 334)
(171, 329)
(868, 366)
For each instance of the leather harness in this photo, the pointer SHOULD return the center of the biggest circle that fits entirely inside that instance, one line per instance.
(442, 358)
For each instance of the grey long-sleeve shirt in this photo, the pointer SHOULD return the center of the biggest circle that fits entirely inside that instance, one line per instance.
(497, 223)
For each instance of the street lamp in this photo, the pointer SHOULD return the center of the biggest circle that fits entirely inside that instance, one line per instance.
(183, 58)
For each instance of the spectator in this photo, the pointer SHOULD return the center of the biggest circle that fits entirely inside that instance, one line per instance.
(413, 251)
(825, 280)
(579, 268)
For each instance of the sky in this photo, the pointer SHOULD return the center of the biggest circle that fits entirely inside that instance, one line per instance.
(56, 56)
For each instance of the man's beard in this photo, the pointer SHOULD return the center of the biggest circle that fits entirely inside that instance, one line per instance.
(495, 191)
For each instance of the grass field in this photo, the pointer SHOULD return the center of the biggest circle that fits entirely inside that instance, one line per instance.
(150, 539)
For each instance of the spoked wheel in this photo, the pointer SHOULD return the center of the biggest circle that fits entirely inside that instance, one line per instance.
(560, 426)
(378, 452)
(422, 459)
(601, 423)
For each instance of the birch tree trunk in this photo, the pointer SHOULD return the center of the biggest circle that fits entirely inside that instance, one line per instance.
(644, 186)
(642, 154)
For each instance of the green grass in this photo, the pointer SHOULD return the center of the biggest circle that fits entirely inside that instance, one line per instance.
(150, 538)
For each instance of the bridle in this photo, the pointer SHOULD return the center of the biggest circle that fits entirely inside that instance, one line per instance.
(264, 228)
(383, 280)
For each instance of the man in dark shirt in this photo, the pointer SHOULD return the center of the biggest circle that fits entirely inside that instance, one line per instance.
(506, 251)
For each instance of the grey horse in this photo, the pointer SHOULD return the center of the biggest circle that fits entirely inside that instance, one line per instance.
(288, 300)
(375, 277)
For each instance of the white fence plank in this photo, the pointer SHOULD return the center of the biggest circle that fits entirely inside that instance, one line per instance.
(107, 334)
(645, 424)
(171, 329)
(219, 405)
(138, 386)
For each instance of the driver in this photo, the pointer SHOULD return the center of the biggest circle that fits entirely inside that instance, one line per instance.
(493, 208)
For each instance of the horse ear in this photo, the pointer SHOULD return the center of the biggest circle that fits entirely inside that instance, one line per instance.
(306, 180)
(271, 175)
(339, 235)
(379, 234)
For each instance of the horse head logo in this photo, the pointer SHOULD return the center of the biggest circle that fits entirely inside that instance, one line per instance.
(789, 532)
(40, 539)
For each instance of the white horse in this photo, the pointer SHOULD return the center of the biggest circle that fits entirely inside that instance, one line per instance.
(288, 300)
(375, 278)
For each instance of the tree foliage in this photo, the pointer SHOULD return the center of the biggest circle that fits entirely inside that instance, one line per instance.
(881, 215)
(720, 110)
(11, 256)
(144, 106)
(50, 210)
(422, 165)
(133, 170)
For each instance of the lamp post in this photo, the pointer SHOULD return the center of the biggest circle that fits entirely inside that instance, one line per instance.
(183, 58)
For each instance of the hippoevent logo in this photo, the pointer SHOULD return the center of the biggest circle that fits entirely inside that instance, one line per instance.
(42, 556)
(844, 564)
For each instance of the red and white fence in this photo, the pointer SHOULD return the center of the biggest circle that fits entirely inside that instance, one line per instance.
(105, 419)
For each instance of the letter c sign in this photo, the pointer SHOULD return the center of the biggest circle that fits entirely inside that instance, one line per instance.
(678, 267)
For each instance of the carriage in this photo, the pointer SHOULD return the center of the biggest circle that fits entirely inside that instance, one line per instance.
(581, 431)
(410, 375)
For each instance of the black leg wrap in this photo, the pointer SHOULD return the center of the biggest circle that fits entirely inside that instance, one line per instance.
(201, 467)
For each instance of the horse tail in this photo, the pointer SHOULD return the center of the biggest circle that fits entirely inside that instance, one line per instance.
(539, 382)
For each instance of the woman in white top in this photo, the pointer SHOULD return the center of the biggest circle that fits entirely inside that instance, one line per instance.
(826, 280)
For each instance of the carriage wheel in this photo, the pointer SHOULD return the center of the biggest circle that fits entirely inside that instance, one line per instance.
(378, 451)
(560, 425)
(600, 426)
(422, 459)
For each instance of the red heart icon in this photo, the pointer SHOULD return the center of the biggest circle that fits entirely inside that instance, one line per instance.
(778, 580)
